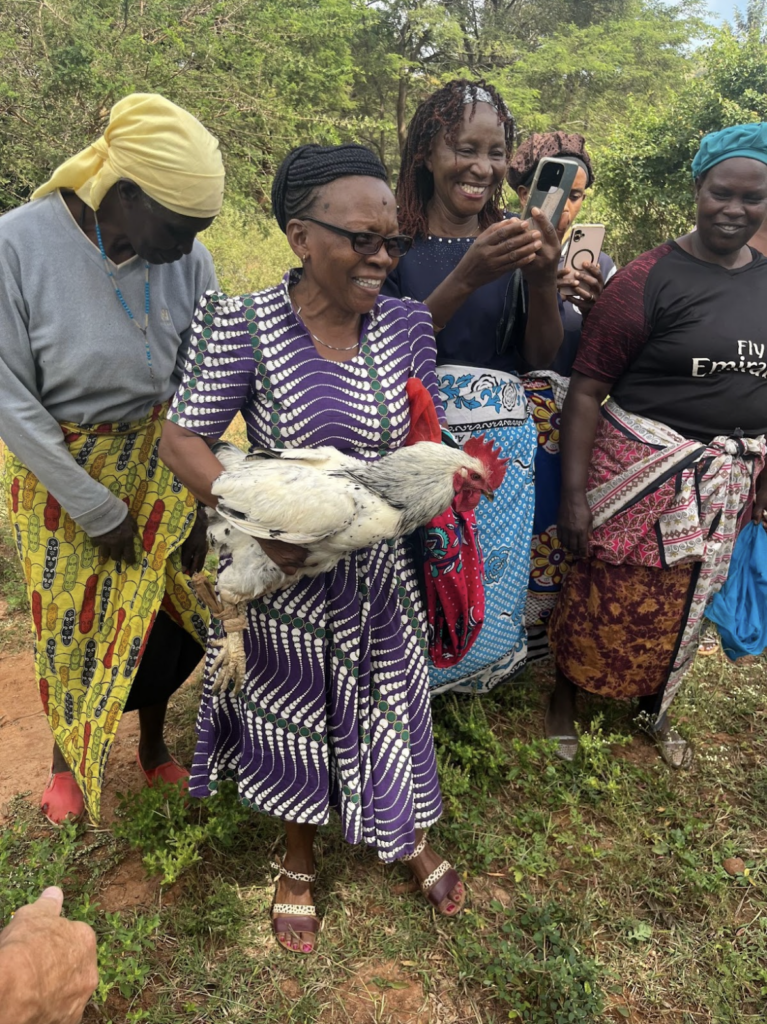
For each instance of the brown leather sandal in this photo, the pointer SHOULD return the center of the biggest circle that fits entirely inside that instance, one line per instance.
(292, 918)
(440, 883)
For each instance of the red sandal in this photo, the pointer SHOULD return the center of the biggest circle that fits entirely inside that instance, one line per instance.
(62, 799)
(171, 772)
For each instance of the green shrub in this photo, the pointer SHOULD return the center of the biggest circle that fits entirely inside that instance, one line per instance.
(466, 742)
(250, 253)
(530, 965)
(158, 822)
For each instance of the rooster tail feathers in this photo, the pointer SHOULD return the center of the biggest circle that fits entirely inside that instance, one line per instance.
(263, 453)
(487, 452)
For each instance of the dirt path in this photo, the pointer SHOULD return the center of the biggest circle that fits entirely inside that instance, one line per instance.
(25, 741)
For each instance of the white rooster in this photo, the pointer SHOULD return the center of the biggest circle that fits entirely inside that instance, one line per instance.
(331, 504)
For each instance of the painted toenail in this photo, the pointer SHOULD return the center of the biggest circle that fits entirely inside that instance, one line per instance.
(306, 947)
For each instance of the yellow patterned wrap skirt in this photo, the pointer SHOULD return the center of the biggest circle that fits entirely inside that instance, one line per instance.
(91, 616)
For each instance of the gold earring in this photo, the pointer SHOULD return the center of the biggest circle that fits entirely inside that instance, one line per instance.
(304, 257)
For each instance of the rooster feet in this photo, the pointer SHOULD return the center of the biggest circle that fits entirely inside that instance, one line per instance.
(228, 667)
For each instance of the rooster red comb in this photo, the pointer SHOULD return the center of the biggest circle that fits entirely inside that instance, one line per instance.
(487, 452)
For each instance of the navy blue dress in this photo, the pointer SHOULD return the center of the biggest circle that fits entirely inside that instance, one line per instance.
(480, 333)
(475, 334)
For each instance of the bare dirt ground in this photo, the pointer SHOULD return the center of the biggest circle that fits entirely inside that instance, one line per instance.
(25, 741)
(25, 744)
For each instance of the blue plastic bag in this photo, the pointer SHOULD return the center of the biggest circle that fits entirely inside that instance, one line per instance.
(739, 610)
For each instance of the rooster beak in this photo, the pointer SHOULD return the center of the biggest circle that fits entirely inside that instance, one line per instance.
(489, 494)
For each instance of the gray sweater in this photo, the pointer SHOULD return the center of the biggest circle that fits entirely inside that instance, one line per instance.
(69, 352)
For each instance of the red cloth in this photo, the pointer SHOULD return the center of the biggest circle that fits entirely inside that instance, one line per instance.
(424, 424)
(455, 595)
(453, 568)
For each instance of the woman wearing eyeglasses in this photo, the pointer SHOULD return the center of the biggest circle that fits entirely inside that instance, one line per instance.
(335, 708)
(490, 284)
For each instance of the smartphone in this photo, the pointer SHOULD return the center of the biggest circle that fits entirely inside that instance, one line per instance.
(584, 246)
(551, 187)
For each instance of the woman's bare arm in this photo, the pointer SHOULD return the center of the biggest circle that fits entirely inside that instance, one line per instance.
(500, 249)
(580, 416)
(189, 456)
(544, 331)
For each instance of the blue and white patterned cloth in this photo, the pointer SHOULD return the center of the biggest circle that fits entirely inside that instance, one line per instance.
(493, 403)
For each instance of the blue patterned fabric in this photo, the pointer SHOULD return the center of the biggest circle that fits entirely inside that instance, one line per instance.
(493, 403)
(548, 559)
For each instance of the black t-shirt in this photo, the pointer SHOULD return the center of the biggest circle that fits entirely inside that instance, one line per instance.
(685, 342)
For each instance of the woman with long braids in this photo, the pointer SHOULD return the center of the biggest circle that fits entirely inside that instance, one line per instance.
(489, 321)
(334, 710)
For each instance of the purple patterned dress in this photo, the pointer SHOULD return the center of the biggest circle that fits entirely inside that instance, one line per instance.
(335, 708)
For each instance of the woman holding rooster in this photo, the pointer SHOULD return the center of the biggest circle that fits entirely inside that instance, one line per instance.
(334, 710)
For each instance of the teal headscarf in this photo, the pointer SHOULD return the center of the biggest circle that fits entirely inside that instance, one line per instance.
(739, 140)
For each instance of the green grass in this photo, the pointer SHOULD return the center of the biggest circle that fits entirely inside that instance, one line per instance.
(14, 622)
(597, 891)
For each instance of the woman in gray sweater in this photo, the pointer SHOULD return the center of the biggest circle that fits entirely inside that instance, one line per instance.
(99, 277)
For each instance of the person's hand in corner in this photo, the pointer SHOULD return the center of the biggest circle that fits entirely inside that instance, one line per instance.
(47, 965)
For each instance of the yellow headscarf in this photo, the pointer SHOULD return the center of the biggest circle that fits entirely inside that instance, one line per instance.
(157, 145)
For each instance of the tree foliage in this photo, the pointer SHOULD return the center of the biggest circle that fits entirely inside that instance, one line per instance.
(644, 171)
(265, 75)
(260, 75)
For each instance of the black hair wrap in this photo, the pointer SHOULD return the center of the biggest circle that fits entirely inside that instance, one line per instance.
(308, 167)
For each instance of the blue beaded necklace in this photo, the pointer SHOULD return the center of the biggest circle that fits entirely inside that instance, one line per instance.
(121, 298)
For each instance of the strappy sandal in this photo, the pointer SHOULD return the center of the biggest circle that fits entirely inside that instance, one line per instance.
(292, 918)
(440, 883)
(709, 644)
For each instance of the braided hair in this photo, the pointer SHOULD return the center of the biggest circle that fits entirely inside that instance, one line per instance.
(307, 168)
(444, 109)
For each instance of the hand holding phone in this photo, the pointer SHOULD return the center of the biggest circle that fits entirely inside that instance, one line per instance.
(551, 187)
(583, 251)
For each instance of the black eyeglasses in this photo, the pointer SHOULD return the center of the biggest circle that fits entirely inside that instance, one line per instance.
(368, 243)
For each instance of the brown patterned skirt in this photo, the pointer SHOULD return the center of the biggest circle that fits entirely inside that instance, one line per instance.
(615, 628)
